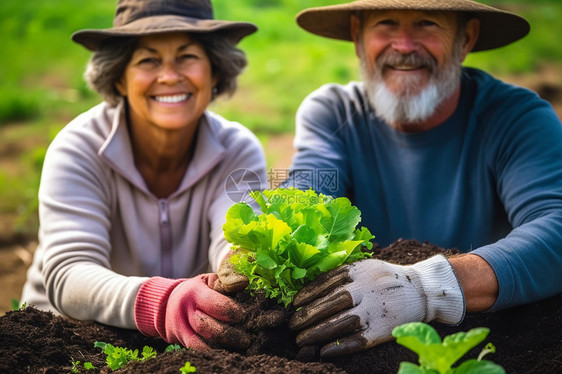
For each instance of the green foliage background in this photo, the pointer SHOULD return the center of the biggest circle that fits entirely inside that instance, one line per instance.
(41, 84)
(41, 71)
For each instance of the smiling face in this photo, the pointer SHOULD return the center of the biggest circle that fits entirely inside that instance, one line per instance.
(411, 60)
(407, 46)
(168, 82)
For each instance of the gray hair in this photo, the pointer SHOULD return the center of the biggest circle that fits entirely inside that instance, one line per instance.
(108, 63)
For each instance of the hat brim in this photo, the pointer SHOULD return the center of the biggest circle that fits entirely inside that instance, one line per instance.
(497, 27)
(93, 38)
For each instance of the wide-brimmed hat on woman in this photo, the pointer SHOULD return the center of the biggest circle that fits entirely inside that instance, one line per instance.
(145, 17)
(497, 27)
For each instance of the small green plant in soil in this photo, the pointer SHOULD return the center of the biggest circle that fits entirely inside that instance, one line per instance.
(298, 236)
(188, 368)
(174, 348)
(118, 357)
(89, 366)
(438, 357)
(76, 366)
(16, 305)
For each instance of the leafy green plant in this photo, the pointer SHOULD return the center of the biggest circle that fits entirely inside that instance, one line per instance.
(174, 348)
(89, 366)
(188, 368)
(298, 236)
(16, 305)
(118, 357)
(437, 357)
(76, 366)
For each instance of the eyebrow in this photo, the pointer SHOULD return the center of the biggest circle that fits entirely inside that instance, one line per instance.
(152, 50)
(385, 12)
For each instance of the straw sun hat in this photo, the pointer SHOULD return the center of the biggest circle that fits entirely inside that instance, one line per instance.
(497, 27)
(144, 17)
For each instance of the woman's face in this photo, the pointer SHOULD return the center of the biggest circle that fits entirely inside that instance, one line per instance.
(168, 82)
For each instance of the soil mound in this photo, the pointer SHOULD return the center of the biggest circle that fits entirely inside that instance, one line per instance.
(528, 340)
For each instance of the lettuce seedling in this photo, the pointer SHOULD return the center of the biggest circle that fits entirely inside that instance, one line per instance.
(89, 366)
(298, 236)
(174, 348)
(437, 357)
(118, 357)
(75, 366)
(188, 368)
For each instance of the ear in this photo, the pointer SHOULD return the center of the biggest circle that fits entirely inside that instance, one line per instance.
(355, 29)
(215, 80)
(121, 87)
(472, 33)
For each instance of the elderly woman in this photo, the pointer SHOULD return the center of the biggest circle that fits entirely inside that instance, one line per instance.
(134, 192)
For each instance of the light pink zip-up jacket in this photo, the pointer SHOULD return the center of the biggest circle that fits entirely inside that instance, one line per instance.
(102, 232)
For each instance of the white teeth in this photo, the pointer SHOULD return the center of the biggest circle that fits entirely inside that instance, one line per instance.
(171, 99)
(405, 67)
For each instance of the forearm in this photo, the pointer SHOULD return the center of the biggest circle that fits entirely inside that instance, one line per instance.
(478, 281)
(91, 292)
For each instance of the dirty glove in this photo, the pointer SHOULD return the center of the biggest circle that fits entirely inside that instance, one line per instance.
(189, 312)
(229, 279)
(356, 306)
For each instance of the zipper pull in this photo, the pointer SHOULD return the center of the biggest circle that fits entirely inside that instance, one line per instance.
(163, 212)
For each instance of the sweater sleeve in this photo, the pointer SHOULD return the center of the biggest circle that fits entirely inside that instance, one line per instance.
(74, 210)
(526, 161)
(321, 158)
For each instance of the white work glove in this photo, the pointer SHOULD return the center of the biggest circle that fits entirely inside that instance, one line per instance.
(356, 306)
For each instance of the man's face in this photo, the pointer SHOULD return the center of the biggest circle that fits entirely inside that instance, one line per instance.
(410, 61)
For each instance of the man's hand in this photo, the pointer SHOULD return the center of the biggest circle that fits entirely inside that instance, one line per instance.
(229, 279)
(356, 306)
(189, 312)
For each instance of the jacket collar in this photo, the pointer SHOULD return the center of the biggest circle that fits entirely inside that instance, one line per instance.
(117, 151)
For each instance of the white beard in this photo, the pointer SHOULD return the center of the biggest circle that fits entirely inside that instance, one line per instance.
(410, 108)
(395, 109)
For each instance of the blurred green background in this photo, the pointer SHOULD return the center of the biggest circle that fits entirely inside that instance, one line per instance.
(41, 84)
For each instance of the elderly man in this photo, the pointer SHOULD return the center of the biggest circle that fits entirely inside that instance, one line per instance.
(429, 150)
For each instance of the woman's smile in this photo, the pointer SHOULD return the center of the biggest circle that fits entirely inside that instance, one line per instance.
(168, 82)
(172, 99)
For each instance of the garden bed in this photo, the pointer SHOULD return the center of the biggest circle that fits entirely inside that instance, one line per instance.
(528, 340)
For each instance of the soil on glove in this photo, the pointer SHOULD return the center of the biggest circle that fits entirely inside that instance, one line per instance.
(528, 339)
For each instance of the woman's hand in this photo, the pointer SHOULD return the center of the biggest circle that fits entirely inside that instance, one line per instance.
(189, 312)
(229, 280)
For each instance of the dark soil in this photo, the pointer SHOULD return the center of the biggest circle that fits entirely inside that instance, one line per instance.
(528, 340)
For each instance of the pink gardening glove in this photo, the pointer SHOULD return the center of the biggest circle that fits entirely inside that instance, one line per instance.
(189, 312)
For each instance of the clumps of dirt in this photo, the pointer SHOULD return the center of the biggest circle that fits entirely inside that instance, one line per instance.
(36, 341)
(219, 361)
(407, 252)
(266, 324)
(39, 342)
(527, 339)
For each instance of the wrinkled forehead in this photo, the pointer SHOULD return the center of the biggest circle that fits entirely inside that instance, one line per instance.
(447, 19)
(450, 17)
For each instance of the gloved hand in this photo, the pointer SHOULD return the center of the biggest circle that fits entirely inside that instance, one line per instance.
(356, 306)
(189, 312)
(229, 279)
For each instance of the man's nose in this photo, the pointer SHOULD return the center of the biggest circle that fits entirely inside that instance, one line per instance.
(404, 40)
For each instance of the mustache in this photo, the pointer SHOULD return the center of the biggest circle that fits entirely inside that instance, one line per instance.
(392, 58)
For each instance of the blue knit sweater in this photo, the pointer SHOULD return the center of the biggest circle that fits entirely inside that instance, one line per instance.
(487, 181)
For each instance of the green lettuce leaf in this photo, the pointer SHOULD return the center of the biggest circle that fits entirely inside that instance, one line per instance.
(297, 236)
